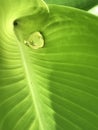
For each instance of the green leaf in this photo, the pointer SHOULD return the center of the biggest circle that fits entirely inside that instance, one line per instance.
(81, 4)
(54, 87)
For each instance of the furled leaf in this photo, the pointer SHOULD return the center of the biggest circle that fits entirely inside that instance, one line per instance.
(54, 87)
(82, 4)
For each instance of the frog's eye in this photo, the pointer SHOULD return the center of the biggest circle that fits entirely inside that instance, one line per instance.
(35, 40)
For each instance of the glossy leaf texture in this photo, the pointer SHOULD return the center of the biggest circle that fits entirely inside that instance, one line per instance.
(54, 87)
(81, 4)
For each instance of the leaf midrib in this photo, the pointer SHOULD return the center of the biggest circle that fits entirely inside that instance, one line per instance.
(33, 89)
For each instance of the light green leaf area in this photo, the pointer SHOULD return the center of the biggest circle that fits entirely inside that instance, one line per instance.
(54, 87)
(81, 4)
(94, 10)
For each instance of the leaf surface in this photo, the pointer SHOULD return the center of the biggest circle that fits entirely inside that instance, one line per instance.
(81, 4)
(54, 87)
